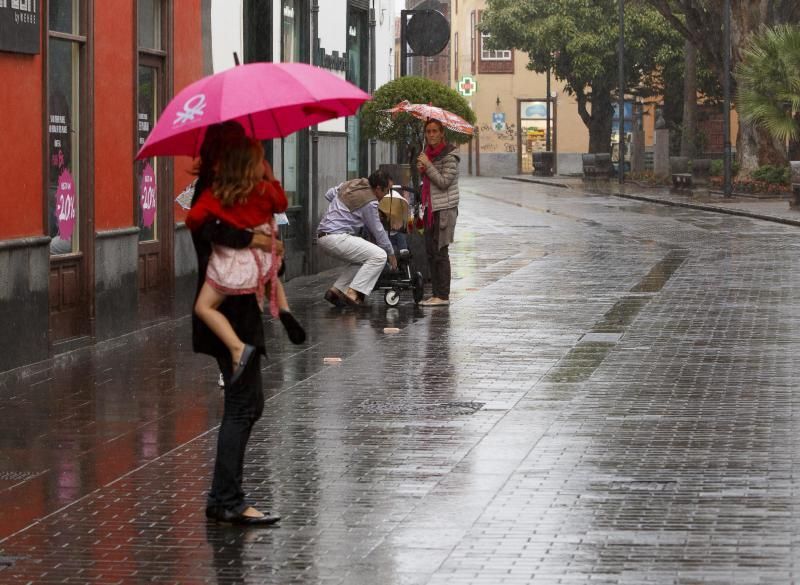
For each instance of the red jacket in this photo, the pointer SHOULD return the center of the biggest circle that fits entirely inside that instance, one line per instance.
(264, 200)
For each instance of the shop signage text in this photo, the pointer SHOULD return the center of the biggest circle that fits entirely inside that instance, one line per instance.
(19, 26)
(147, 195)
(332, 60)
(65, 205)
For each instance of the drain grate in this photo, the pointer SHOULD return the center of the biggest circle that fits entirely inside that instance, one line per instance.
(643, 485)
(593, 337)
(18, 475)
(6, 562)
(401, 407)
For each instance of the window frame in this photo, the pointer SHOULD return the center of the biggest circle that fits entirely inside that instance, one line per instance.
(507, 53)
(80, 239)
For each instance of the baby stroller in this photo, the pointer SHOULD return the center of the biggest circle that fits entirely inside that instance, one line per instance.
(394, 212)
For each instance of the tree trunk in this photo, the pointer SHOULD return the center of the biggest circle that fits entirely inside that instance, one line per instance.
(794, 145)
(600, 134)
(599, 121)
(689, 132)
(755, 148)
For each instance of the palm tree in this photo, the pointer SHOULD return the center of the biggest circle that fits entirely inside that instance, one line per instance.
(769, 81)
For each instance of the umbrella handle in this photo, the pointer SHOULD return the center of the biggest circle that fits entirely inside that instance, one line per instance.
(249, 116)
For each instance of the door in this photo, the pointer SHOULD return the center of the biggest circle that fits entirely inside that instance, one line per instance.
(532, 116)
(68, 205)
(153, 212)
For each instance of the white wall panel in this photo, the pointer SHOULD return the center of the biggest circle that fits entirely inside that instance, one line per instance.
(226, 32)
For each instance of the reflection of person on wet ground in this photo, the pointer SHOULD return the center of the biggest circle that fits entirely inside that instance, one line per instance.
(243, 401)
(353, 205)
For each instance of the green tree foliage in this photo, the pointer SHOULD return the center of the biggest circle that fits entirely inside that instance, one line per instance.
(769, 81)
(404, 128)
(577, 40)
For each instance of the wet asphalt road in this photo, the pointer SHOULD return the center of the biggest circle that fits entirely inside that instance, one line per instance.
(611, 398)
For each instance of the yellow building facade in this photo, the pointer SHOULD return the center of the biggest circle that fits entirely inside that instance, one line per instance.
(510, 103)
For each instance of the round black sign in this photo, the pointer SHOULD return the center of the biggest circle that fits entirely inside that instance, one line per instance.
(427, 32)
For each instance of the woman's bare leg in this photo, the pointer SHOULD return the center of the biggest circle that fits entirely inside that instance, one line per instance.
(283, 303)
(206, 308)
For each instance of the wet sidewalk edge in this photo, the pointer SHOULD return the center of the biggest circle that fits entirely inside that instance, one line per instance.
(653, 199)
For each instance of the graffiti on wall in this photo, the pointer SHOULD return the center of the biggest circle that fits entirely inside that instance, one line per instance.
(504, 141)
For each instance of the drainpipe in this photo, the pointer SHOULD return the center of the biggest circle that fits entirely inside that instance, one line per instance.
(314, 207)
(372, 164)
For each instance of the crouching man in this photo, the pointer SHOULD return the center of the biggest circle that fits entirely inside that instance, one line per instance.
(354, 205)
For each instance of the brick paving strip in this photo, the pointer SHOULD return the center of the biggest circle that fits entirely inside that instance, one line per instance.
(607, 400)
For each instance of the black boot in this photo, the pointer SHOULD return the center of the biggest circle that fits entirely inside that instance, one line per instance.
(297, 334)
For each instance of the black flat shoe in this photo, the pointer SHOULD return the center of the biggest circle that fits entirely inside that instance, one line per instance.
(247, 355)
(265, 520)
(297, 334)
(227, 517)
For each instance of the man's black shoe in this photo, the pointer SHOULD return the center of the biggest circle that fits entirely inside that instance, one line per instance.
(334, 297)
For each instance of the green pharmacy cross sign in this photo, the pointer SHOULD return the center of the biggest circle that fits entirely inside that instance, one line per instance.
(467, 86)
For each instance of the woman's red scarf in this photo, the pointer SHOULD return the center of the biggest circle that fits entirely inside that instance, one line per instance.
(432, 152)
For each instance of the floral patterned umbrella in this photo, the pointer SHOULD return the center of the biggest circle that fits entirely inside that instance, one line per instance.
(449, 120)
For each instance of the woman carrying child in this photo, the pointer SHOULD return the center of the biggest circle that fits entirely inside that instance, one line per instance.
(245, 195)
(243, 402)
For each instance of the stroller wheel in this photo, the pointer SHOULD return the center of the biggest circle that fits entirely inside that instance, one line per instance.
(417, 286)
(391, 297)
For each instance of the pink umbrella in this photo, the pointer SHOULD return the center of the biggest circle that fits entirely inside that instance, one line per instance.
(448, 119)
(270, 100)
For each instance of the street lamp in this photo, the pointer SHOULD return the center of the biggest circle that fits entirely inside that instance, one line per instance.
(621, 105)
(726, 92)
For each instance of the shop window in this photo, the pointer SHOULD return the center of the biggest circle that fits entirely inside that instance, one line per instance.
(150, 15)
(286, 165)
(472, 29)
(150, 96)
(64, 16)
(357, 73)
(65, 97)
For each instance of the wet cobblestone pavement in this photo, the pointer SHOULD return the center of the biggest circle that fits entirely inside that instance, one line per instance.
(610, 399)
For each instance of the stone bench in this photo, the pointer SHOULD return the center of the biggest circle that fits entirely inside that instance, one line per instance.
(597, 166)
(701, 171)
(682, 180)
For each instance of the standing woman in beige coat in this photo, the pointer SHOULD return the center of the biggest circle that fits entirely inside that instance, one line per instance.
(438, 166)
